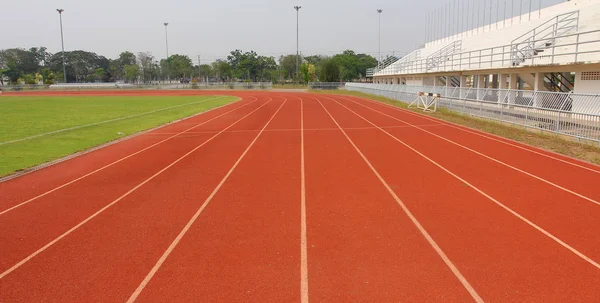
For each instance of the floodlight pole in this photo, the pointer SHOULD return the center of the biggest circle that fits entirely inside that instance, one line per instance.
(166, 24)
(62, 42)
(379, 11)
(297, 8)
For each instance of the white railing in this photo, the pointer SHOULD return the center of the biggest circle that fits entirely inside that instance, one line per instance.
(398, 66)
(575, 115)
(581, 47)
(543, 36)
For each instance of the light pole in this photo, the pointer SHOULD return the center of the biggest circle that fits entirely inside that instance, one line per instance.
(297, 8)
(167, 46)
(62, 42)
(379, 11)
(167, 38)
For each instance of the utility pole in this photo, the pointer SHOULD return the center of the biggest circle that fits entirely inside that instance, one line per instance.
(297, 8)
(62, 42)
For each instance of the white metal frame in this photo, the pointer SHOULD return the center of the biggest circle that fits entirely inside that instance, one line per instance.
(426, 101)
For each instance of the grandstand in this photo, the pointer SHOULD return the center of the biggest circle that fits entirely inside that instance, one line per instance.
(548, 61)
(539, 54)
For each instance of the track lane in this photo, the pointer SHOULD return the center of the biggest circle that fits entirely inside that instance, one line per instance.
(245, 245)
(26, 229)
(129, 237)
(361, 245)
(537, 201)
(503, 257)
(498, 139)
(575, 176)
(31, 186)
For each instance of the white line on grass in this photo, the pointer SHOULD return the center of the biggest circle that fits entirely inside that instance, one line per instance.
(104, 122)
(120, 160)
(37, 252)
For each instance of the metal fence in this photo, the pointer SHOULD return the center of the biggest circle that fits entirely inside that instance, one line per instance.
(125, 86)
(326, 85)
(574, 115)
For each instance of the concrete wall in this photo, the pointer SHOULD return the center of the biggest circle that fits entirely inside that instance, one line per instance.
(590, 84)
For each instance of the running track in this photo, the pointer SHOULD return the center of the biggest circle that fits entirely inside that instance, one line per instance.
(284, 197)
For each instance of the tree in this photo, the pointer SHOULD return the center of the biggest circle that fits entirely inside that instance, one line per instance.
(250, 66)
(205, 72)
(330, 71)
(131, 72)
(178, 66)
(288, 65)
(353, 66)
(99, 74)
(222, 70)
(147, 66)
(17, 62)
(80, 65)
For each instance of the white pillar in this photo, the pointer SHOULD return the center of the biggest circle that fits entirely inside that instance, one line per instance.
(503, 85)
(513, 87)
(538, 87)
(463, 86)
(480, 86)
(539, 82)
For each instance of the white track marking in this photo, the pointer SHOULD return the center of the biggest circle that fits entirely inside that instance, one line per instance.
(414, 220)
(484, 155)
(37, 252)
(120, 160)
(181, 234)
(104, 122)
(303, 237)
(530, 223)
(490, 136)
(297, 129)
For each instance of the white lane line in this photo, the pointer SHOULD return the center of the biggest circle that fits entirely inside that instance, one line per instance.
(181, 234)
(530, 223)
(120, 160)
(485, 156)
(303, 237)
(37, 252)
(490, 137)
(414, 220)
(106, 121)
(297, 129)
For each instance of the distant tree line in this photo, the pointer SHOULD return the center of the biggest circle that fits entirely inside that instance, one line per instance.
(36, 66)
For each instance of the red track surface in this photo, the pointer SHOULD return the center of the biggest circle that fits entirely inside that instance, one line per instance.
(298, 197)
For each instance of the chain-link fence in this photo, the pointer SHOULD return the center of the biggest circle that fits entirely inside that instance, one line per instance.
(570, 114)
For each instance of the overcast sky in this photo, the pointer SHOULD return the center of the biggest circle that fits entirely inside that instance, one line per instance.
(213, 28)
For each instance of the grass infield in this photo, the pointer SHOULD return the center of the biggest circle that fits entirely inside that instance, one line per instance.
(35, 130)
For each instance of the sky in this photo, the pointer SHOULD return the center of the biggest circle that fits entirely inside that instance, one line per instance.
(212, 29)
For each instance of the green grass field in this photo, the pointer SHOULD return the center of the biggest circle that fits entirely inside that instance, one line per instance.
(23, 117)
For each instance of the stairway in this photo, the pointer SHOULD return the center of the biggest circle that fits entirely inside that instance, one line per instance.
(442, 55)
(541, 38)
(559, 82)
